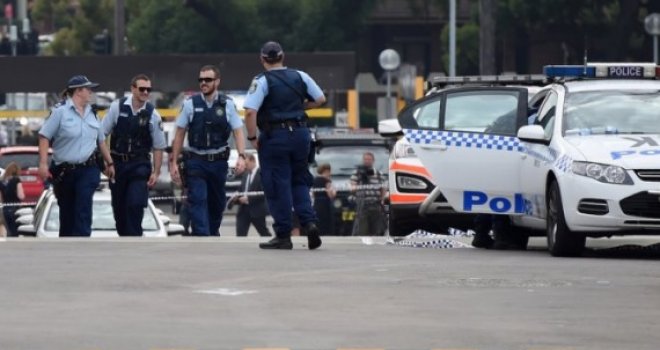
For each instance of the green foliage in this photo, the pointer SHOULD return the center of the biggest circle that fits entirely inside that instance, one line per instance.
(76, 29)
(467, 49)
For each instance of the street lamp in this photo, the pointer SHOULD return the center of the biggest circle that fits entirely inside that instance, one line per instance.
(389, 60)
(652, 26)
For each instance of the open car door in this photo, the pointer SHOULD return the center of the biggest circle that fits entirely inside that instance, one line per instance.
(465, 137)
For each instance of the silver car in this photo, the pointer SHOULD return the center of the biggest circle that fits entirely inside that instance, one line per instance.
(43, 220)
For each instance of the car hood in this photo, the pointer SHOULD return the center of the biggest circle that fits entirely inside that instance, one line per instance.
(627, 151)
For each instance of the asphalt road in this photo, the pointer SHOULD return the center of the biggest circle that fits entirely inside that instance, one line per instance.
(225, 293)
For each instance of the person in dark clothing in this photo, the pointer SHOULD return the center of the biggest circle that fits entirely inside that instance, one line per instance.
(252, 210)
(12, 193)
(324, 194)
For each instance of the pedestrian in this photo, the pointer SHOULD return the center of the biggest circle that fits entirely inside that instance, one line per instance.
(252, 209)
(136, 131)
(79, 152)
(11, 189)
(209, 118)
(324, 194)
(275, 104)
(367, 183)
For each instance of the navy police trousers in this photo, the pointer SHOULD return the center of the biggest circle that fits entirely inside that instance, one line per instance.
(130, 195)
(285, 176)
(206, 195)
(75, 193)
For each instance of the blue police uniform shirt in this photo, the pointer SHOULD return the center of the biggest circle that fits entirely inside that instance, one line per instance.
(155, 123)
(259, 89)
(186, 116)
(73, 139)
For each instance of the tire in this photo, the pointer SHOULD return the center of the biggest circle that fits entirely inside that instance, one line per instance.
(561, 241)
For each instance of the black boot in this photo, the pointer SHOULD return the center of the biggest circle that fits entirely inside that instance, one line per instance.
(313, 235)
(481, 237)
(277, 243)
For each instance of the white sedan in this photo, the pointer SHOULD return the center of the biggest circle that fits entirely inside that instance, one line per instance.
(589, 166)
(44, 220)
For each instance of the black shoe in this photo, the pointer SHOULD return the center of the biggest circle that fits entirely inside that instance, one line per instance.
(313, 236)
(277, 243)
(482, 241)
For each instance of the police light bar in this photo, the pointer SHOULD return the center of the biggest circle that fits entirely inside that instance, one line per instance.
(604, 70)
(489, 79)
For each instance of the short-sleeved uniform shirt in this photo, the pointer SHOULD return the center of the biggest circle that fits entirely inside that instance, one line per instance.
(155, 123)
(259, 90)
(186, 116)
(73, 138)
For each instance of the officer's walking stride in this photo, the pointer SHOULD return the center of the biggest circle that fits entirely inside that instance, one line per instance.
(276, 104)
(209, 118)
(135, 129)
(74, 132)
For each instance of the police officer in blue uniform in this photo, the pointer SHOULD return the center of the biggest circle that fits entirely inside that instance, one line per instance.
(135, 129)
(74, 132)
(276, 104)
(209, 118)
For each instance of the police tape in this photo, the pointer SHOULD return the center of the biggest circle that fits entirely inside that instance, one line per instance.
(419, 239)
(233, 194)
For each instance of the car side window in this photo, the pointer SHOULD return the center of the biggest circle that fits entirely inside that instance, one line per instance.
(427, 114)
(482, 111)
(547, 114)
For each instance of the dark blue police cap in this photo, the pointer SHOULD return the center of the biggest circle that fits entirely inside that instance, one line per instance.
(271, 49)
(79, 81)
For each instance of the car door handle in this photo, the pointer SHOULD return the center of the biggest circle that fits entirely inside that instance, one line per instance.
(438, 146)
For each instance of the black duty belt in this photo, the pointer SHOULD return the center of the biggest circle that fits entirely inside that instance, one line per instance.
(91, 161)
(211, 157)
(126, 157)
(287, 124)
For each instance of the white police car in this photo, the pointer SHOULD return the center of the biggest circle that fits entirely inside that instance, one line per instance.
(588, 166)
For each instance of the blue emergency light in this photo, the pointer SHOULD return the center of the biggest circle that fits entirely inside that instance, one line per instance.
(604, 70)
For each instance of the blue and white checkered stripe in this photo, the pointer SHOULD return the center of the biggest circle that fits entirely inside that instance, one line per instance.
(464, 139)
(564, 164)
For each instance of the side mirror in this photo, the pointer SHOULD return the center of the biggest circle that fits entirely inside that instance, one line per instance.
(390, 128)
(175, 229)
(27, 230)
(532, 134)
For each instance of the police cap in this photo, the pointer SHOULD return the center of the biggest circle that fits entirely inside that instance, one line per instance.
(79, 81)
(271, 50)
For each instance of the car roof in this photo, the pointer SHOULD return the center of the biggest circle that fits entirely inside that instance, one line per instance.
(611, 84)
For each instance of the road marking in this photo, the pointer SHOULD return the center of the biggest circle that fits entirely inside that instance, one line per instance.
(226, 292)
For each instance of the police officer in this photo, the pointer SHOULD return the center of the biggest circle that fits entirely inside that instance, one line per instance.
(209, 118)
(276, 104)
(135, 129)
(75, 133)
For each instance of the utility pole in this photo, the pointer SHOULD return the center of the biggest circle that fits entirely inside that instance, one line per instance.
(120, 28)
(452, 38)
(487, 36)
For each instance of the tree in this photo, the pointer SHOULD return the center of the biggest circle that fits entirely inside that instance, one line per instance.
(76, 25)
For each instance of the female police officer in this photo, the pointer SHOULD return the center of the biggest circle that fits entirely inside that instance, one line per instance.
(75, 134)
(276, 103)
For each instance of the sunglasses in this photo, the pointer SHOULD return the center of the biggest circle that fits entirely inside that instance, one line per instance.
(206, 80)
(144, 89)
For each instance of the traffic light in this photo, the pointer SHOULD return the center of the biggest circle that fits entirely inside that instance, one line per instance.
(102, 44)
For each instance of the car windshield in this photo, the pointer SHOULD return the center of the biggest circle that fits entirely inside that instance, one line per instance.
(612, 112)
(25, 160)
(345, 159)
(102, 218)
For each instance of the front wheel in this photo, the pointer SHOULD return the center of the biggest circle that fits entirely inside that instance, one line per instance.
(561, 241)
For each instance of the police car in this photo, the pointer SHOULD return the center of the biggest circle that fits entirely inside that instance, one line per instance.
(414, 200)
(589, 166)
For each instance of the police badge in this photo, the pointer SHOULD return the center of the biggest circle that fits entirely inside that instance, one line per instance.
(220, 112)
(253, 86)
